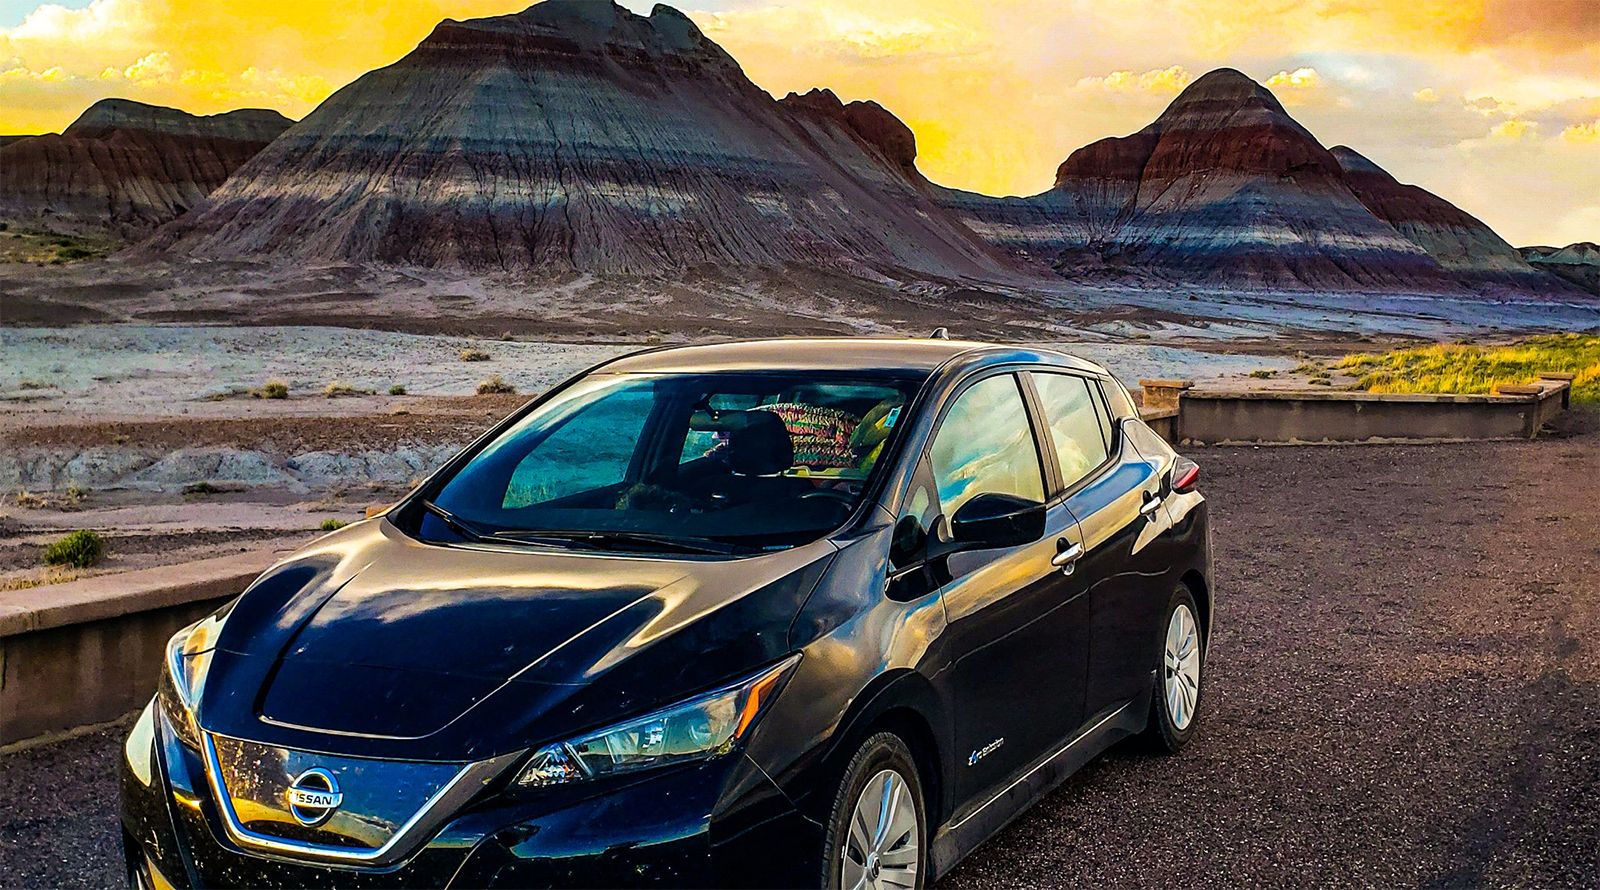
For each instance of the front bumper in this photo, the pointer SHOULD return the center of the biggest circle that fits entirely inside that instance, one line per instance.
(719, 823)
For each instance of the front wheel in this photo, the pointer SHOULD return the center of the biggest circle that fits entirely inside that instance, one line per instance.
(1178, 679)
(877, 834)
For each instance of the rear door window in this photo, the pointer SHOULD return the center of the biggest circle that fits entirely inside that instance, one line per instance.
(1078, 430)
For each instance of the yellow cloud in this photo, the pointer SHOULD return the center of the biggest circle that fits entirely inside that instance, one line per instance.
(1583, 134)
(1513, 129)
(1298, 79)
(153, 68)
(206, 56)
(1159, 80)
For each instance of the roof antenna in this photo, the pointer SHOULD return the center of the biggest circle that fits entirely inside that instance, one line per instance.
(940, 334)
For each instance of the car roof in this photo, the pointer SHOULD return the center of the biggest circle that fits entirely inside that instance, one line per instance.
(837, 354)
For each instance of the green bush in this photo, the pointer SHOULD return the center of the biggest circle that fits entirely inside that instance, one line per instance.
(397, 390)
(200, 488)
(332, 525)
(74, 253)
(81, 549)
(275, 389)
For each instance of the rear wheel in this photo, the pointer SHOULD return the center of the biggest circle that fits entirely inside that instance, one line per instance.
(1176, 700)
(877, 832)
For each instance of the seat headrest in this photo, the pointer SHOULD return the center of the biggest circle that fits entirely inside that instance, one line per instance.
(761, 446)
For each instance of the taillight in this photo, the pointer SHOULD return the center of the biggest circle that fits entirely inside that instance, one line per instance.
(1185, 475)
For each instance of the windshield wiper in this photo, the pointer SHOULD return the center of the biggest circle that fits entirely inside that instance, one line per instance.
(458, 525)
(618, 540)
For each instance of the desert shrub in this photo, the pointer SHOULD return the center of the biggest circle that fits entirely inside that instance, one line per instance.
(1263, 374)
(495, 386)
(81, 549)
(471, 354)
(397, 390)
(275, 389)
(332, 525)
(201, 488)
(74, 253)
(29, 501)
(1320, 381)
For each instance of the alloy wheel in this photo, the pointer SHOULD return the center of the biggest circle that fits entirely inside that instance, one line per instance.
(1182, 667)
(881, 850)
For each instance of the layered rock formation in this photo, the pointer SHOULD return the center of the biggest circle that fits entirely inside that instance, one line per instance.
(128, 166)
(1577, 263)
(1223, 189)
(1458, 241)
(1226, 189)
(578, 135)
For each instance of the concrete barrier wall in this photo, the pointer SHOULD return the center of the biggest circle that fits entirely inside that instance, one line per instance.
(1163, 420)
(89, 651)
(1214, 417)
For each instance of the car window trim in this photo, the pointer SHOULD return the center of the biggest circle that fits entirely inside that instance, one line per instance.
(1113, 454)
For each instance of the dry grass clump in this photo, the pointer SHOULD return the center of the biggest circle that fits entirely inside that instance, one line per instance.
(339, 388)
(272, 389)
(495, 386)
(49, 575)
(1465, 368)
(332, 525)
(473, 354)
(27, 500)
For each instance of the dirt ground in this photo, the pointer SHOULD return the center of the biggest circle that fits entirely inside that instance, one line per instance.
(1402, 692)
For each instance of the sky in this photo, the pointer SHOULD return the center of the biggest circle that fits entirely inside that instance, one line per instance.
(1492, 104)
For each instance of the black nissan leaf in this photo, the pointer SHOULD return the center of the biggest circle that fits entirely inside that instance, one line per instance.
(783, 613)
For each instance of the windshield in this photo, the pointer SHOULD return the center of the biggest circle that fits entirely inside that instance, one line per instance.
(717, 462)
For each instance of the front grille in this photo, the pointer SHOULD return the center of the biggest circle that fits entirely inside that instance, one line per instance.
(379, 797)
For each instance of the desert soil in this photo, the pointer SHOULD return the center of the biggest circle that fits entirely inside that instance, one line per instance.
(1402, 692)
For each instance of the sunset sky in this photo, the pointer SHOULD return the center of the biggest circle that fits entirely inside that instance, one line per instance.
(1493, 104)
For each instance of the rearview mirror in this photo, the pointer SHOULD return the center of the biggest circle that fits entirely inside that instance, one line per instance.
(997, 520)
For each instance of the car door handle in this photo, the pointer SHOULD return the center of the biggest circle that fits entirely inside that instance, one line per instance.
(1151, 505)
(1067, 559)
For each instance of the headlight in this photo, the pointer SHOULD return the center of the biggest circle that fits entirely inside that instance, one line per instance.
(699, 729)
(188, 658)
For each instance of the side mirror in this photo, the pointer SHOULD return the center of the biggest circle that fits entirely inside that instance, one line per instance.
(908, 540)
(997, 520)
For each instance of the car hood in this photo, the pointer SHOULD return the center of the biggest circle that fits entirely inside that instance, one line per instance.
(370, 643)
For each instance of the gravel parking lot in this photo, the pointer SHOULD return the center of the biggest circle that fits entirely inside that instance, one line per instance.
(1402, 692)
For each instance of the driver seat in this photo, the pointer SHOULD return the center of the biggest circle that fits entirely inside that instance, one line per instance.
(759, 448)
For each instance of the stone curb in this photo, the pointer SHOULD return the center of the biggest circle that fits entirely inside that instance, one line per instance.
(114, 596)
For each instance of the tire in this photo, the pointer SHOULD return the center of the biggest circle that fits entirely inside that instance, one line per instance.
(1180, 683)
(881, 857)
